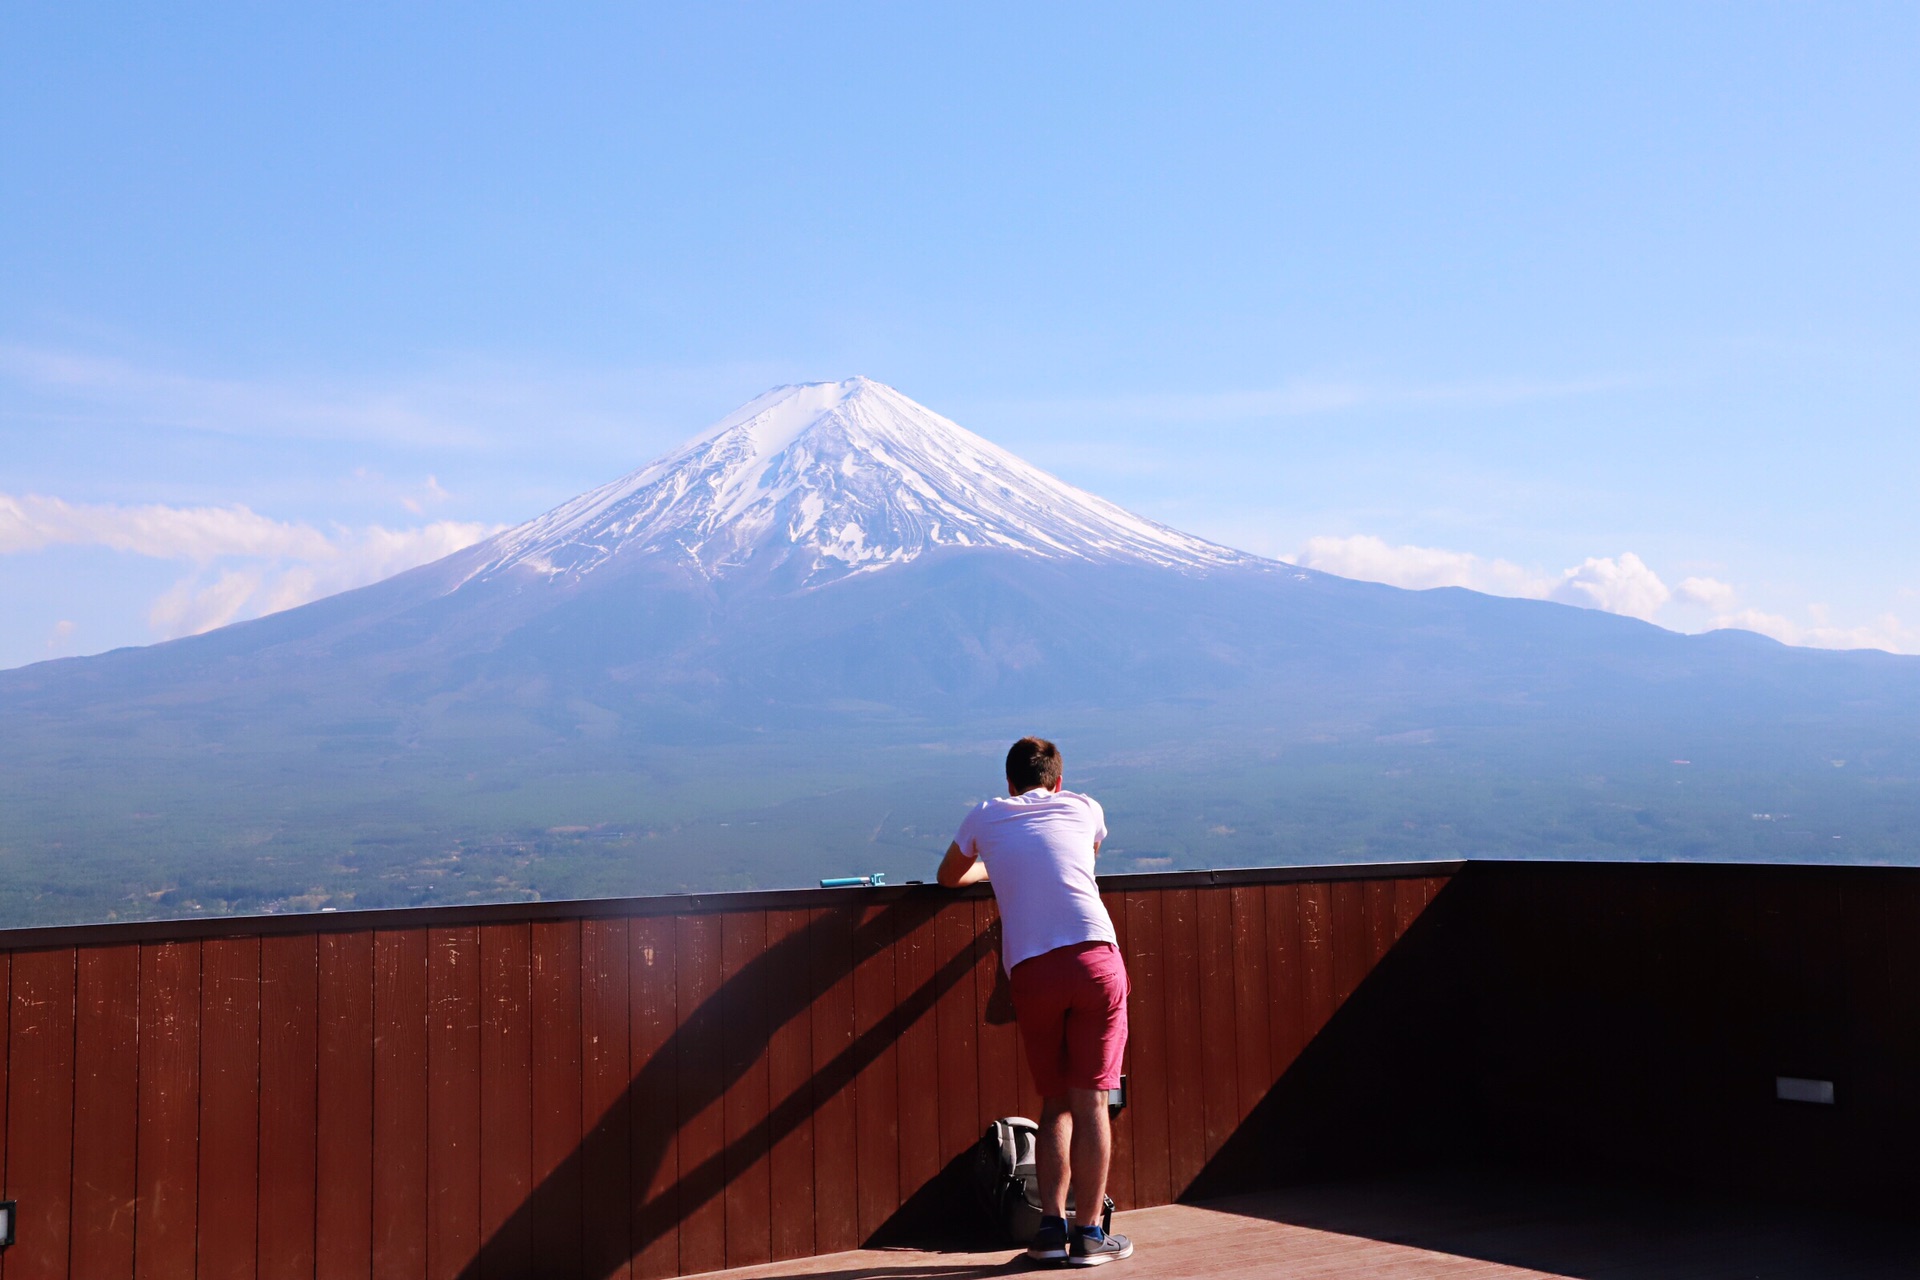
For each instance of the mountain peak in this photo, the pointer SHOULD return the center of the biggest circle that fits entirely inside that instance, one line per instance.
(821, 480)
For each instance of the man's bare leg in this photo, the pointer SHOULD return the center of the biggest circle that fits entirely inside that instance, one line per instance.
(1092, 1147)
(1056, 1134)
(1076, 1145)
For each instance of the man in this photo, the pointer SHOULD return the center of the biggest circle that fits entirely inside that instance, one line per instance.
(1037, 845)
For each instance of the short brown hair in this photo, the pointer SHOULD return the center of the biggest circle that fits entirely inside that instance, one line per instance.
(1031, 763)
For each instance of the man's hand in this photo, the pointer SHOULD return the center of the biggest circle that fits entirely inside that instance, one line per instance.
(957, 869)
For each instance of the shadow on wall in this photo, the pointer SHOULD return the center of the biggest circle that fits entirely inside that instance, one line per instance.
(1379, 1084)
(1383, 1084)
(707, 1037)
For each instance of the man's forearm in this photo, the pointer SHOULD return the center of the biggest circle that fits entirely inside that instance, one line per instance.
(957, 870)
(975, 874)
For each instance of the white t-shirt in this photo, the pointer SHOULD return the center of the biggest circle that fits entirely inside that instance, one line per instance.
(1038, 848)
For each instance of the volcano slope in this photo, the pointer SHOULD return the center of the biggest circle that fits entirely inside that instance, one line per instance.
(798, 646)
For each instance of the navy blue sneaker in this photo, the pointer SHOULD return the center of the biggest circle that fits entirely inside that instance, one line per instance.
(1050, 1241)
(1093, 1247)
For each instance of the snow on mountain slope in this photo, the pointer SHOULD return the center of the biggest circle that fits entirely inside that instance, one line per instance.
(829, 479)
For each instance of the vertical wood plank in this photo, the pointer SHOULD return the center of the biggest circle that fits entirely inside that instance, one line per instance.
(506, 1097)
(1000, 1060)
(749, 1190)
(1286, 977)
(1027, 1100)
(1318, 995)
(1382, 920)
(229, 1107)
(1027, 1090)
(289, 1095)
(40, 1117)
(1147, 1049)
(1219, 1051)
(956, 1023)
(106, 1045)
(453, 1100)
(168, 1159)
(1186, 1055)
(790, 1082)
(918, 1062)
(655, 1017)
(877, 1090)
(344, 1184)
(1872, 1013)
(400, 1104)
(1120, 1168)
(835, 1158)
(557, 1127)
(1351, 949)
(607, 1168)
(1252, 1001)
(1410, 898)
(699, 1057)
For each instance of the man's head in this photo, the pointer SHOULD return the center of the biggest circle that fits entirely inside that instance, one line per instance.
(1032, 763)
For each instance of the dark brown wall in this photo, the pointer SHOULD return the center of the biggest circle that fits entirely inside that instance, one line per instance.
(661, 1086)
(1634, 1018)
(628, 1089)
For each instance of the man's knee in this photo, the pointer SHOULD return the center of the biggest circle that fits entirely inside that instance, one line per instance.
(1087, 1105)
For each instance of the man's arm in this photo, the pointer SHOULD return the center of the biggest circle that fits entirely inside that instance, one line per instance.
(957, 869)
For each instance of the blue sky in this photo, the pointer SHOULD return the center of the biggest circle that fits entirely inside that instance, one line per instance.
(1614, 304)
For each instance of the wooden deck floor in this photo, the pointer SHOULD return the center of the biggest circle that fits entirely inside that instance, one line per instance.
(1460, 1225)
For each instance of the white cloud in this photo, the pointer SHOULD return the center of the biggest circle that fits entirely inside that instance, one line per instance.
(429, 494)
(1818, 631)
(1711, 592)
(32, 522)
(1625, 586)
(189, 609)
(248, 564)
(60, 638)
(415, 498)
(1888, 632)
(378, 552)
(213, 598)
(1372, 559)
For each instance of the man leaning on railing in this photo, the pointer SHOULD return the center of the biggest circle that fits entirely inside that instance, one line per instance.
(1037, 845)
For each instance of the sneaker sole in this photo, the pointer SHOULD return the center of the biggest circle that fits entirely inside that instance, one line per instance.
(1100, 1259)
(1046, 1255)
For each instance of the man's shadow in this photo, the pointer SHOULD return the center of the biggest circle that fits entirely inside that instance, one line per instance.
(710, 1035)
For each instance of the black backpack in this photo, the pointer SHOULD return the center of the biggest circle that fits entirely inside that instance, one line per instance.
(1006, 1179)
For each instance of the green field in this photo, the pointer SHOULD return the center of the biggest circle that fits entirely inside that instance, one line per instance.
(101, 826)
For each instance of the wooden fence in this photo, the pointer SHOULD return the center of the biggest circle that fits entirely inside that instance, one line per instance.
(638, 1088)
(1637, 1019)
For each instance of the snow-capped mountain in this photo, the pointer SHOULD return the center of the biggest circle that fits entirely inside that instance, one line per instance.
(822, 481)
(793, 646)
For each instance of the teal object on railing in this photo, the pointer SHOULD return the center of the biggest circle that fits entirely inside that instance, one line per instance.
(878, 878)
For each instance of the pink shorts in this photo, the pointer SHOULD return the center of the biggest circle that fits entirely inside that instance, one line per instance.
(1071, 1004)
